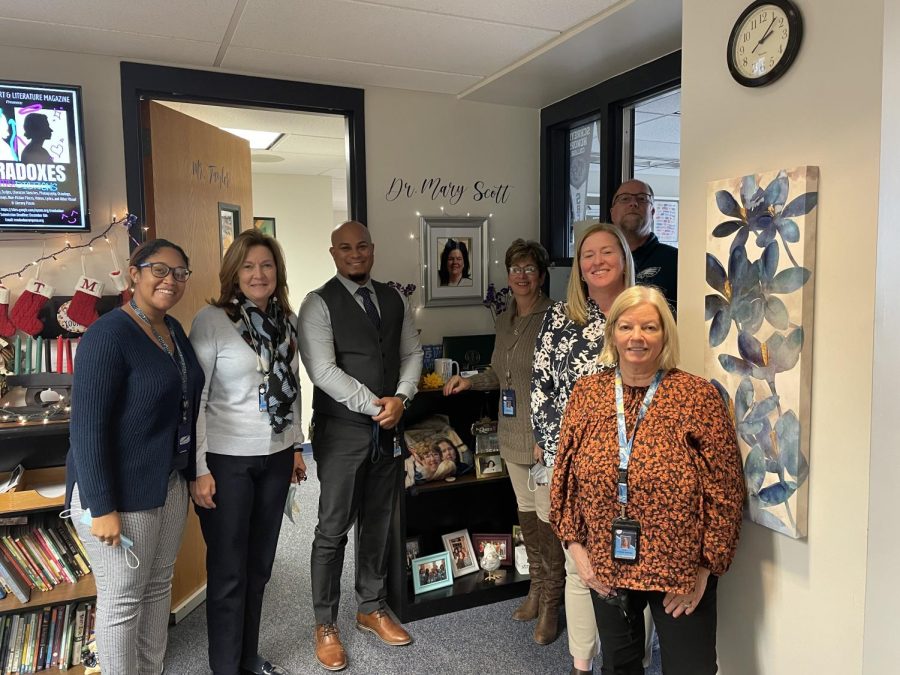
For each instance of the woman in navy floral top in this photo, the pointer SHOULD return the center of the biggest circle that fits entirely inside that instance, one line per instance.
(567, 347)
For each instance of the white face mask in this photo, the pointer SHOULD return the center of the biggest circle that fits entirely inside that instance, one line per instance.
(539, 474)
(126, 544)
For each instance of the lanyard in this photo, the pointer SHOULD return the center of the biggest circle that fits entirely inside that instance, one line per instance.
(180, 364)
(625, 443)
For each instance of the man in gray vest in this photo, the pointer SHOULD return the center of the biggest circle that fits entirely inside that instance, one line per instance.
(361, 349)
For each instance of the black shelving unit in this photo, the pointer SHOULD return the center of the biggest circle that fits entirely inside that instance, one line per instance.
(428, 511)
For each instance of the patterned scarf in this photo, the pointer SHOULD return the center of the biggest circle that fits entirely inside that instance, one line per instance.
(274, 338)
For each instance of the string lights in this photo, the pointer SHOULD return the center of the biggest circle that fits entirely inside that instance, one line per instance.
(127, 221)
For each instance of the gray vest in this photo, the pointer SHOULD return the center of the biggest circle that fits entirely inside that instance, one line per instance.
(362, 351)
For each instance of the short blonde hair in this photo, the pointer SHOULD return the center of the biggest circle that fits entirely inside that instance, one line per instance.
(629, 299)
(577, 294)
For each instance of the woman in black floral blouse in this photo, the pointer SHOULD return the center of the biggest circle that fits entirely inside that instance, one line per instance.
(567, 347)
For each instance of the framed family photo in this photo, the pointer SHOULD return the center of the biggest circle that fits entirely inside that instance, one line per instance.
(432, 572)
(455, 255)
(229, 225)
(413, 548)
(502, 542)
(462, 555)
(264, 224)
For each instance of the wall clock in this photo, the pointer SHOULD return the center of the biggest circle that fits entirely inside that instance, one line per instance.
(764, 42)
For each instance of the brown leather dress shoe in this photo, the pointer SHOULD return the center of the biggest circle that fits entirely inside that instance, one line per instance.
(381, 623)
(329, 650)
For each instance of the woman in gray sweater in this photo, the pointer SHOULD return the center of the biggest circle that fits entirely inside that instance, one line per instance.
(510, 371)
(248, 445)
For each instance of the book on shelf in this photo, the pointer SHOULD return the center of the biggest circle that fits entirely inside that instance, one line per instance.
(41, 554)
(14, 581)
(31, 642)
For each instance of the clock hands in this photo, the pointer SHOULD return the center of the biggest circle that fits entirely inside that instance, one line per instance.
(766, 36)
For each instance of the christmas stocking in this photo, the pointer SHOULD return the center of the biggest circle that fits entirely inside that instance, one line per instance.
(7, 329)
(83, 306)
(120, 283)
(24, 314)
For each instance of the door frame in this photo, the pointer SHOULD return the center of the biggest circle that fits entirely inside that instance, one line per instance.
(144, 81)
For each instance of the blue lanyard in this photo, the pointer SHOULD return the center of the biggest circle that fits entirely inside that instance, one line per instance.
(179, 363)
(625, 443)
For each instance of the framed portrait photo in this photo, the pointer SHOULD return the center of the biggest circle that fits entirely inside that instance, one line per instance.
(502, 542)
(229, 225)
(489, 465)
(462, 555)
(264, 224)
(432, 572)
(413, 549)
(455, 255)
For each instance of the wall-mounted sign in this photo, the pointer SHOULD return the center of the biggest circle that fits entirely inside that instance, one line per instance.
(439, 189)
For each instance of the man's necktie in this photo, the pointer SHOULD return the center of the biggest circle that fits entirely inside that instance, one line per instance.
(369, 306)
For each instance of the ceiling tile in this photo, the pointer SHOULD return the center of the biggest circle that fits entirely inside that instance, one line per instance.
(558, 16)
(292, 122)
(204, 20)
(346, 73)
(311, 145)
(56, 37)
(383, 35)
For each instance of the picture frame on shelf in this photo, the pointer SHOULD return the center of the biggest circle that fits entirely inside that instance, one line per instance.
(229, 225)
(489, 465)
(413, 549)
(503, 543)
(459, 545)
(455, 251)
(517, 536)
(432, 572)
(264, 224)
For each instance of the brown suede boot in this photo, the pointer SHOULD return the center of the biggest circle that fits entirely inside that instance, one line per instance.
(547, 628)
(528, 610)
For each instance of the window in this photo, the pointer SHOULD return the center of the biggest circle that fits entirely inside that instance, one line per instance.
(577, 177)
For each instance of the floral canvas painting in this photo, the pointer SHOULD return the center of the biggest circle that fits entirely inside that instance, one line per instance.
(760, 275)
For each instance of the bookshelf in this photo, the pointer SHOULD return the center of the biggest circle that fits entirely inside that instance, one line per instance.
(485, 505)
(42, 490)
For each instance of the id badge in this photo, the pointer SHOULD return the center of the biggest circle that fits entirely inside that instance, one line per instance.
(398, 451)
(183, 442)
(263, 406)
(508, 402)
(626, 540)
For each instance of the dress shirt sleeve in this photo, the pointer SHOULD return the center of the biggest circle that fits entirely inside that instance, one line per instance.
(721, 480)
(566, 514)
(410, 354)
(545, 419)
(95, 398)
(317, 353)
(203, 340)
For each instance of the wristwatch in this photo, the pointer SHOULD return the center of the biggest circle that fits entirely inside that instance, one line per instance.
(404, 399)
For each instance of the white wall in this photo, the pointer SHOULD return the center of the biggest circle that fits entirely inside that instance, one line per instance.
(415, 136)
(882, 589)
(797, 606)
(302, 208)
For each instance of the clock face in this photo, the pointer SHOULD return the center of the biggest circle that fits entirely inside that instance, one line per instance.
(764, 42)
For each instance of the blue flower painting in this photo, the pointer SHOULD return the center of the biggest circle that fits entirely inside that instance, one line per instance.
(760, 265)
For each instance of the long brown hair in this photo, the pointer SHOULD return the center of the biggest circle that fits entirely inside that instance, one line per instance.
(234, 258)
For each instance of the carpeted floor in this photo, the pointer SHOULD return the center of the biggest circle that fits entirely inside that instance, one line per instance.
(483, 639)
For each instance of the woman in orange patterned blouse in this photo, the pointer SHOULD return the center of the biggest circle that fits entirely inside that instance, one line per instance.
(649, 507)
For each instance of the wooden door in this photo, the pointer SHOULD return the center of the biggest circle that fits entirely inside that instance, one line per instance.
(192, 170)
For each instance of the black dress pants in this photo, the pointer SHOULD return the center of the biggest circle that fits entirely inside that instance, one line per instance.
(355, 490)
(241, 536)
(687, 644)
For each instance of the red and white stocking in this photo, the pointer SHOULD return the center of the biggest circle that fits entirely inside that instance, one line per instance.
(24, 314)
(7, 329)
(83, 306)
(120, 283)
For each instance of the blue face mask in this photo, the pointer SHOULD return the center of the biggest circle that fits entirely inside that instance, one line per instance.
(126, 543)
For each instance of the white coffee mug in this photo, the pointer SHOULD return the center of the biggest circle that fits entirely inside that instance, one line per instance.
(444, 368)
